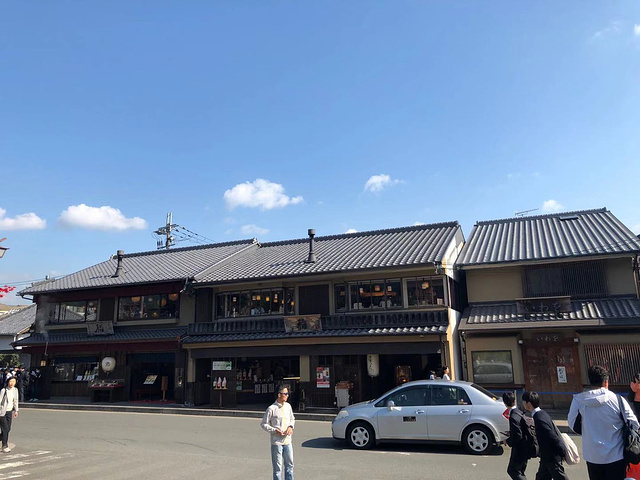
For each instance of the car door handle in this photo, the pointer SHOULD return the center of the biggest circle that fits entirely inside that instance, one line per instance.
(419, 412)
(464, 410)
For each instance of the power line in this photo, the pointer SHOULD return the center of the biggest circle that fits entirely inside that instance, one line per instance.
(173, 233)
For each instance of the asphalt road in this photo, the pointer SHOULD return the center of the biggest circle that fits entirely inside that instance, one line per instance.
(66, 445)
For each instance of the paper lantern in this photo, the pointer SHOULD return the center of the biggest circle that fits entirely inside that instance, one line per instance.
(373, 364)
(108, 364)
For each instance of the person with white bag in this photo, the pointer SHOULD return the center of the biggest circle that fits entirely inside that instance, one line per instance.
(8, 411)
(597, 415)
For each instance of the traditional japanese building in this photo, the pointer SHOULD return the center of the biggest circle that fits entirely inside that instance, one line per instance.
(339, 318)
(549, 296)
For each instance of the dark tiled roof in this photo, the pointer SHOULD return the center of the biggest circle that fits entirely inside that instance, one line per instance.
(234, 337)
(121, 335)
(406, 246)
(147, 267)
(17, 322)
(571, 234)
(610, 311)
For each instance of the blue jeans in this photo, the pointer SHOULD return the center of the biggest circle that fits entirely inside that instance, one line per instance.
(278, 453)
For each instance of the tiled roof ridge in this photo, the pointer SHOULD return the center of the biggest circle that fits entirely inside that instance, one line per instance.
(194, 247)
(538, 217)
(365, 233)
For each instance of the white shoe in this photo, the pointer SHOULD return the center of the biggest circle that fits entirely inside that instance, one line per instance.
(6, 449)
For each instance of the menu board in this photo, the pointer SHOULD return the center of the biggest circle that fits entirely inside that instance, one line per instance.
(150, 380)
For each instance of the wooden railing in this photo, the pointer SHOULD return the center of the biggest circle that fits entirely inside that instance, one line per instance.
(329, 322)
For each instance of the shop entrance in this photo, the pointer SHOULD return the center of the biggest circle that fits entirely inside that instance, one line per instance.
(552, 370)
(152, 376)
(258, 378)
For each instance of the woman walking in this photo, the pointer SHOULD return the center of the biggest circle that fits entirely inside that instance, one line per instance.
(8, 411)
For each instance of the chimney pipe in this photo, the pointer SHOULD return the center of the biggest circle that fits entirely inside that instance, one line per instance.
(312, 255)
(120, 256)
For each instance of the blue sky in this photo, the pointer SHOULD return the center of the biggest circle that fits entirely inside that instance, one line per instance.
(265, 118)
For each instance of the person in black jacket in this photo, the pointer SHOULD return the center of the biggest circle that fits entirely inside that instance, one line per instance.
(552, 449)
(518, 459)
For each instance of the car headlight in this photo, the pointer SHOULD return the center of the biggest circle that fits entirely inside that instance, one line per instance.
(342, 414)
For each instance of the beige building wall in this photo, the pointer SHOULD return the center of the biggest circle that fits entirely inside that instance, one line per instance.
(494, 284)
(620, 278)
(187, 309)
(483, 344)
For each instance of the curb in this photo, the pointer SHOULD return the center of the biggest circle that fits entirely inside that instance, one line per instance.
(318, 417)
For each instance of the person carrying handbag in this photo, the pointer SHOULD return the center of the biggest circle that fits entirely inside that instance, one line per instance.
(8, 411)
(599, 415)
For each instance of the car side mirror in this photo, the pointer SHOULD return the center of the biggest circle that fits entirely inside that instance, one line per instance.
(391, 404)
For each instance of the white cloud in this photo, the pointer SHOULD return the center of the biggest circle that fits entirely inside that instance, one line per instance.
(99, 218)
(261, 194)
(551, 206)
(636, 30)
(614, 28)
(377, 183)
(636, 229)
(351, 230)
(417, 224)
(25, 221)
(253, 230)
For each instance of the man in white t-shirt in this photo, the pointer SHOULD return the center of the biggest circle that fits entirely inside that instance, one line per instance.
(279, 421)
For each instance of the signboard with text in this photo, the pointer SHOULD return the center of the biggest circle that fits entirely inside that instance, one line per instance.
(302, 323)
(545, 305)
(221, 365)
(99, 328)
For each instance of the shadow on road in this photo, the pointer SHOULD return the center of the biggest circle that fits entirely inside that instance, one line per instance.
(329, 443)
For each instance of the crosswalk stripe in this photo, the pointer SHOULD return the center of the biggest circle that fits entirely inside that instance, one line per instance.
(32, 461)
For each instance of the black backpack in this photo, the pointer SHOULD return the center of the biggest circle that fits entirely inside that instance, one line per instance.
(531, 447)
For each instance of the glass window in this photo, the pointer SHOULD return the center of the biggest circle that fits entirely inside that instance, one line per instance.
(73, 312)
(354, 297)
(265, 302)
(364, 290)
(277, 302)
(75, 371)
(448, 395)
(222, 311)
(491, 367)
(234, 305)
(245, 303)
(409, 397)
(289, 303)
(378, 297)
(393, 293)
(148, 306)
(340, 293)
(425, 291)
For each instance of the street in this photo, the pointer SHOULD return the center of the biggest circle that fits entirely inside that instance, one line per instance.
(52, 444)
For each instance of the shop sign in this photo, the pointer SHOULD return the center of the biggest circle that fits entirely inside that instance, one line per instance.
(302, 323)
(545, 305)
(323, 377)
(99, 328)
(373, 365)
(216, 365)
(562, 374)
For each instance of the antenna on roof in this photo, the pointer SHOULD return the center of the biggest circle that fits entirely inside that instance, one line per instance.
(172, 233)
(524, 212)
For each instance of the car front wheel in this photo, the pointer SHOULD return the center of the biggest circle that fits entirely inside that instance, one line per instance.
(477, 440)
(361, 436)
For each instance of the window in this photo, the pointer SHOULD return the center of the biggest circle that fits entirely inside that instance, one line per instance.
(447, 395)
(492, 367)
(75, 312)
(256, 302)
(165, 305)
(369, 295)
(340, 294)
(577, 279)
(620, 359)
(423, 291)
(72, 369)
(408, 397)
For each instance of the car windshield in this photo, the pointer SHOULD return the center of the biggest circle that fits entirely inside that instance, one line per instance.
(485, 391)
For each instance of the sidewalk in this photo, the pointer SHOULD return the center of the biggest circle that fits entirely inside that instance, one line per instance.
(247, 411)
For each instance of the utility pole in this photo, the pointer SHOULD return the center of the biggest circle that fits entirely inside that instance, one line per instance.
(166, 232)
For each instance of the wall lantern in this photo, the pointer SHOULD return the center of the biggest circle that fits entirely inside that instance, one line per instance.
(373, 364)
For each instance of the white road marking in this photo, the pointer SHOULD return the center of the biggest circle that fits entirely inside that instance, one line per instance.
(40, 458)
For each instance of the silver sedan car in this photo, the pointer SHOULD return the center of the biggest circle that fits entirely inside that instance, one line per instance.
(440, 411)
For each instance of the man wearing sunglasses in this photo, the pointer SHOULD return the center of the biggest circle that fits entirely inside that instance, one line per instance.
(279, 421)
